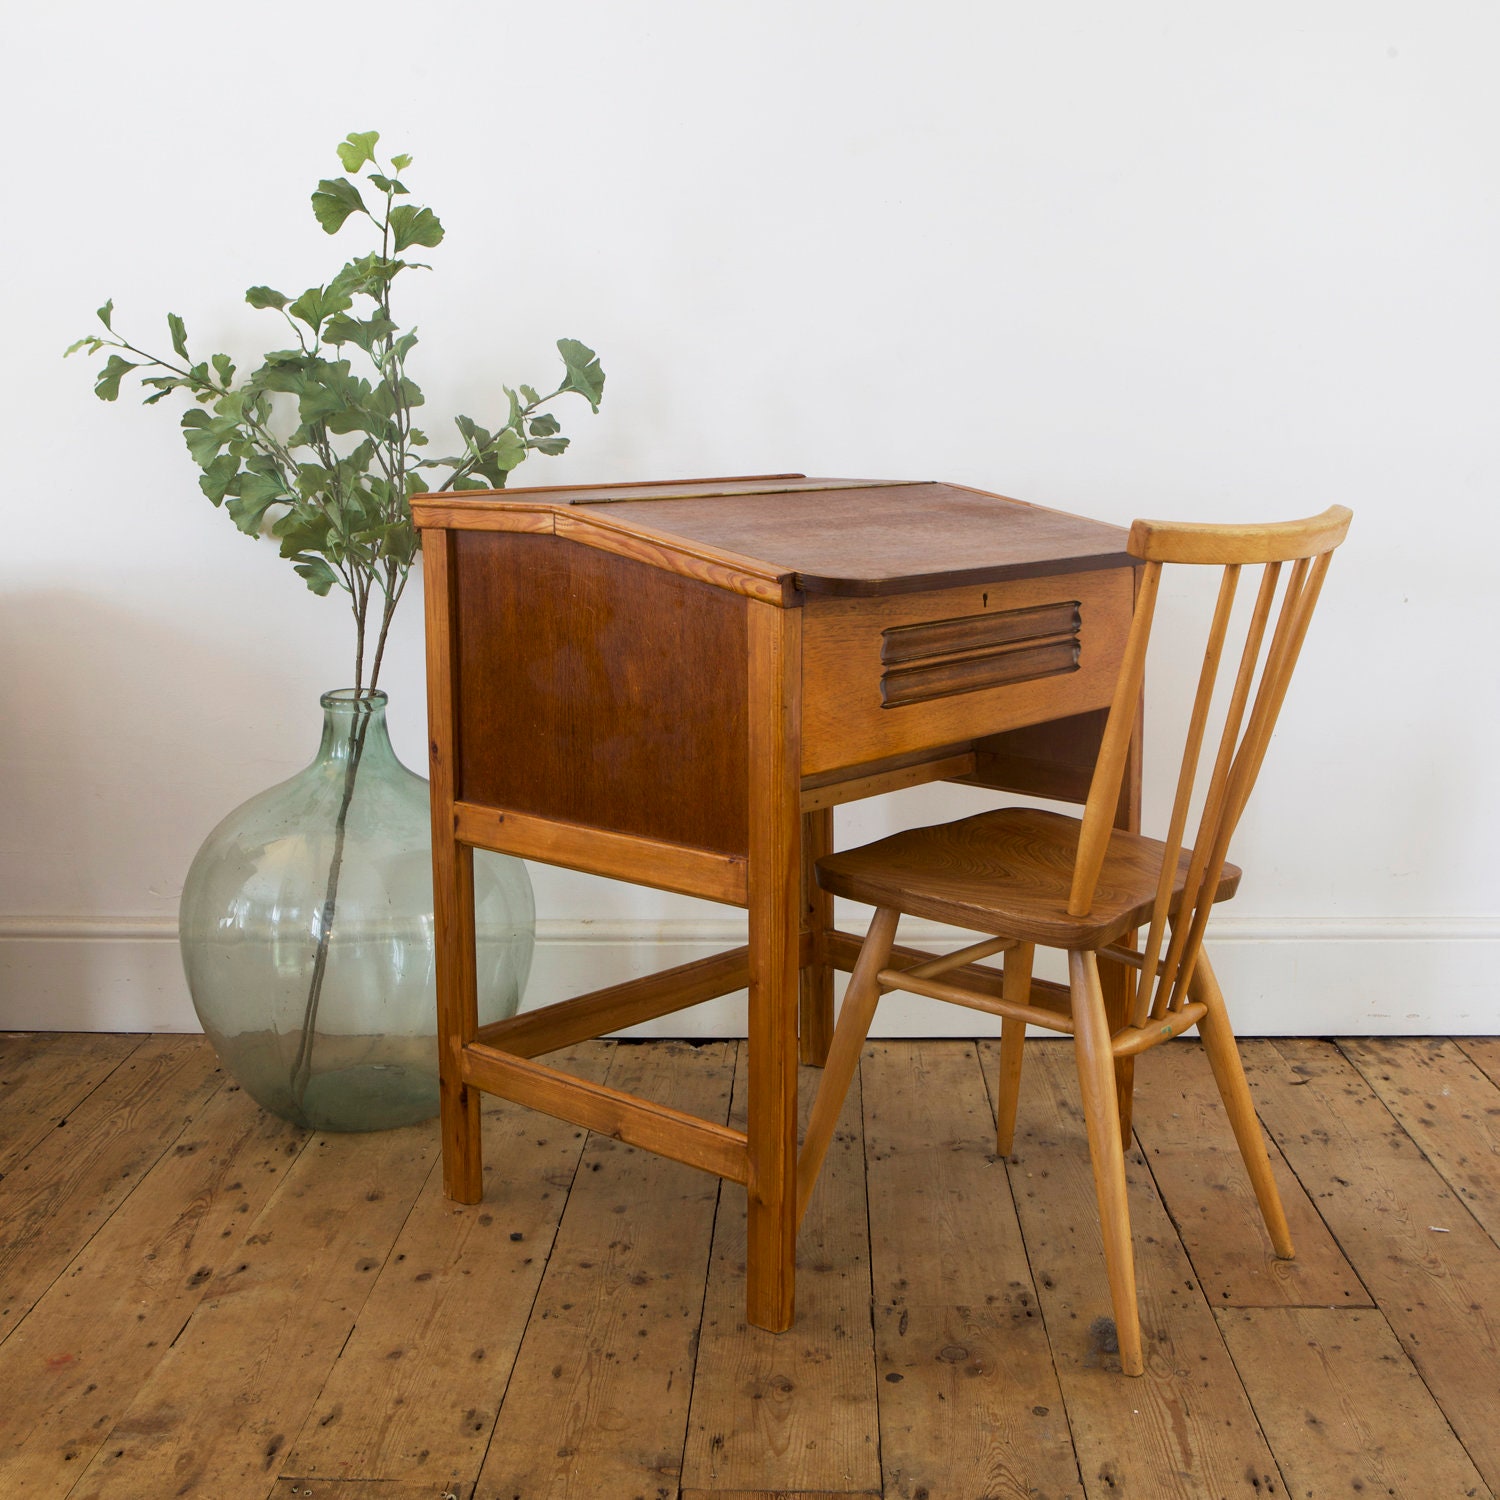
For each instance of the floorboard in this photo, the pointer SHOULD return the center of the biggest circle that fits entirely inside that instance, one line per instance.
(1186, 1428)
(598, 1402)
(969, 1398)
(197, 1300)
(795, 1412)
(1432, 1270)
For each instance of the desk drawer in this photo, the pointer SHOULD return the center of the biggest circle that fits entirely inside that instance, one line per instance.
(886, 676)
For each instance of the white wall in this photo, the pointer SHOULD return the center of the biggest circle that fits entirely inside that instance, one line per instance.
(1226, 261)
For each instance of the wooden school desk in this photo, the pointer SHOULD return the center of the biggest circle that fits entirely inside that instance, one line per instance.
(674, 684)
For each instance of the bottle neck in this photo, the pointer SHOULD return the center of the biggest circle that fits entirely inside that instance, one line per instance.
(354, 725)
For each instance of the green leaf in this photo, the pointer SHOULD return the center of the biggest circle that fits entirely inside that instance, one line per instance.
(514, 419)
(312, 479)
(366, 332)
(367, 275)
(265, 296)
(357, 149)
(359, 460)
(499, 457)
(532, 396)
(318, 303)
(388, 184)
(205, 436)
(163, 385)
(545, 425)
(178, 329)
(415, 226)
(509, 450)
(320, 577)
(107, 386)
(224, 368)
(551, 446)
(401, 163)
(584, 373)
(408, 395)
(398, 541)
(342, 329)
(258, 493)
(89, 342)
(335, 199)
(476, 438)
(303, 529)
(338, 401)
(284, 371)
(106, 313)
(218, 476)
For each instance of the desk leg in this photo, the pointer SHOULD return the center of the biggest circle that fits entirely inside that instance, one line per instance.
(458, 1019)
(775, 926)
(452, 891)
(815, 1028)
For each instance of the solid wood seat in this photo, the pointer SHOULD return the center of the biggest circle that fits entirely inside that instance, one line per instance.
(1011, 872)
(1026, 878)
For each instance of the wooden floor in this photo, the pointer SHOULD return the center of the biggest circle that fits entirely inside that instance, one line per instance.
(198, 1300)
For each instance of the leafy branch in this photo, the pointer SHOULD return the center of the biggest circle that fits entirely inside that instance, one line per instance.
(316, 447)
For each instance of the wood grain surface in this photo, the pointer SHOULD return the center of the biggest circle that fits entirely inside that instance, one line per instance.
(240, 1310)
(851, 720)
(1009, 872)
(600, 691)
(888, 538)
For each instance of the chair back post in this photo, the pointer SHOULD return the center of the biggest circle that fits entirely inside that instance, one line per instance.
(1114, 749)
(1261, 678)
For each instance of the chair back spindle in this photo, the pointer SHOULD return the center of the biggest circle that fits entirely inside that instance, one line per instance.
(1262, 673)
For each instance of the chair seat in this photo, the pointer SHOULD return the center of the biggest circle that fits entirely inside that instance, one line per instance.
(1009, 873)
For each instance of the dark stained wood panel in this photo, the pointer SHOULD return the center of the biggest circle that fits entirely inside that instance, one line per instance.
(600, 690)
(1054, 759)
(924, 681)
(975, 634)
(886, 538)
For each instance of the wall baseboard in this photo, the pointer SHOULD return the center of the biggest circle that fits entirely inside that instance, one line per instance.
(1282, 978)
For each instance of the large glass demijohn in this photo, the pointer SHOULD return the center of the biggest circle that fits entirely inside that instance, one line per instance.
(308, 940)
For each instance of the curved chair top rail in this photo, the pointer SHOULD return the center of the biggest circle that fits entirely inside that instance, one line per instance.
(1279, 541)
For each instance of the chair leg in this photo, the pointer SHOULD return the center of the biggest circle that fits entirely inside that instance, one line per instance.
(1017, 989)
(855, 1015)
(1229, 1074)
(1117, 983)
(1101, 1113)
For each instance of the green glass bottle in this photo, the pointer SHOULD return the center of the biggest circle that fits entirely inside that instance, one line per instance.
(308, 939)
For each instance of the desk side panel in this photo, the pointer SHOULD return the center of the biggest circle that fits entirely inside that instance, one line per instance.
(599, 690)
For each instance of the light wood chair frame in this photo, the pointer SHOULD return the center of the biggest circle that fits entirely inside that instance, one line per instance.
(1171, 985)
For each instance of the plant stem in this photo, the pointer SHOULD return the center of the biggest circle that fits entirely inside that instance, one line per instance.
(302, 1063)
(392, 598)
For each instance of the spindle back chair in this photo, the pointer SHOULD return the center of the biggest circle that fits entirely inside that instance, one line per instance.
(1030, 877)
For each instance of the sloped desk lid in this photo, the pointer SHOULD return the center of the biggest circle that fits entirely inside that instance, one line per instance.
(826, 536)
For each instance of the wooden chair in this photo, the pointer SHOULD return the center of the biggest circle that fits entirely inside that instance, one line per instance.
(1030, 877)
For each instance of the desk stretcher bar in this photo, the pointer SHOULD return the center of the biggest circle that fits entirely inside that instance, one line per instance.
(638, 1122)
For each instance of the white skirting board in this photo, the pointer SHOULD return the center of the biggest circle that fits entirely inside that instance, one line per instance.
(1286, 978)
